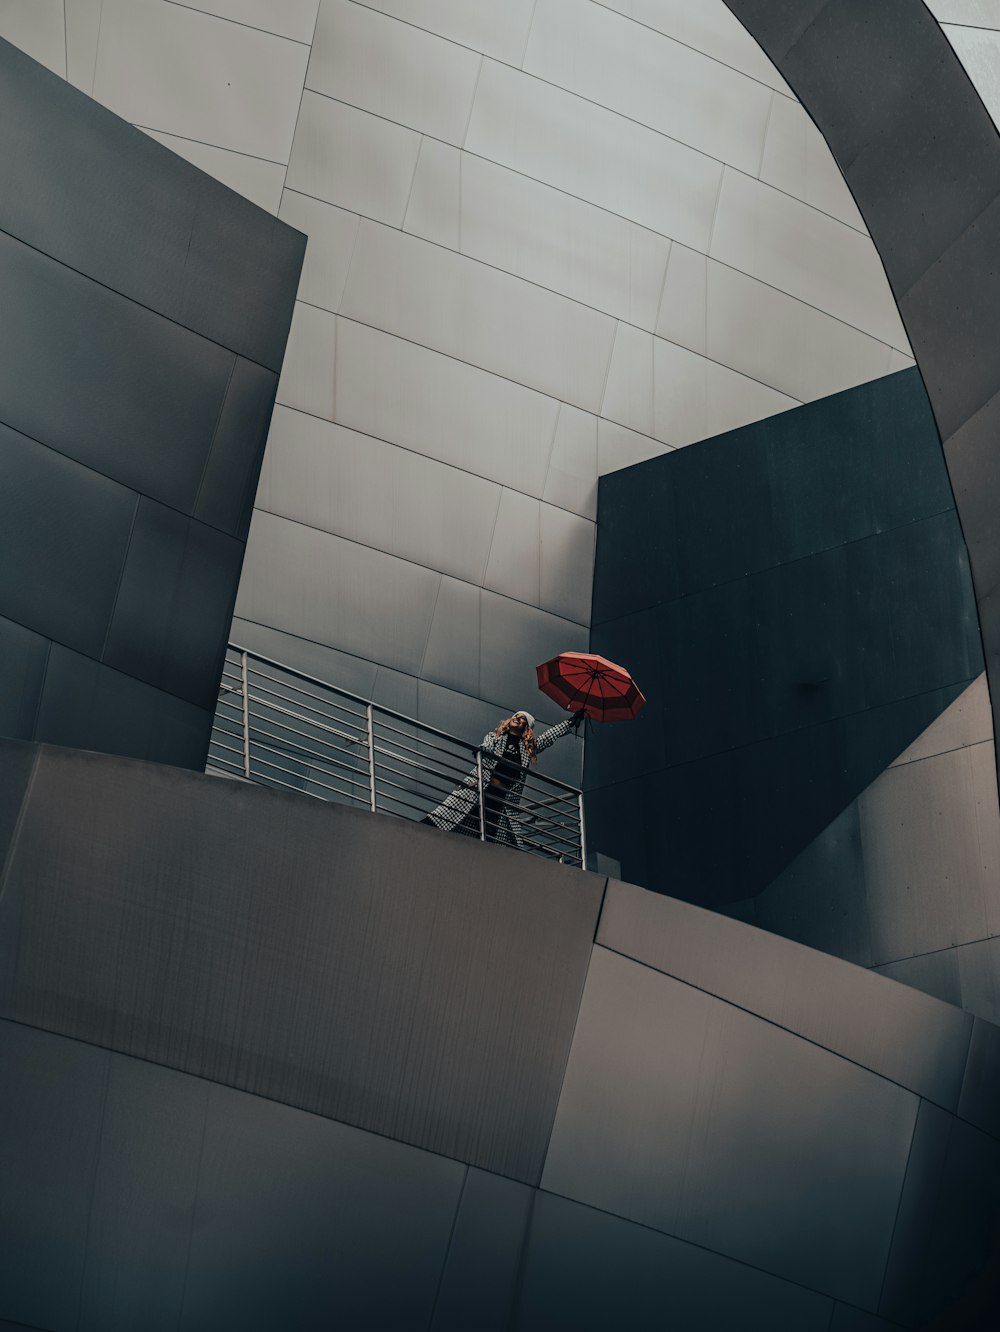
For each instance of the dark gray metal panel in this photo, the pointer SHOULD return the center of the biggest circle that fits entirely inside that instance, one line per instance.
(88, 705)
(24, 655)
(934, 153)
(721, 828)
(140, 1227)
(921, 156)
(213, 260)
(980, 1103)
(63, 535)
(229, 483)
(664, 1112)
(846, 1319)
(479, 1281)
(307, 1224)
(946, 1234)
(820, 899)
(971, 458)
(251, 937)
(941, 326)
(174, 605)
(895, 1031)
(102, 380)
(832, 471)
(50, 1124)
(934, 973)
(586, 1271)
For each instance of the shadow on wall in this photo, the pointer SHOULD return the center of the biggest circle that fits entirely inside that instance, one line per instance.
(795, 601)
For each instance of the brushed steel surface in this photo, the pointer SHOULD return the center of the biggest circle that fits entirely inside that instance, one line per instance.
(350, 158)
(405, 286)
(891, 1029)
(305, 953)
(593, 153)
(651, 79)
(674, 1100)
(393, 69)
(443, 408)
(173, 68)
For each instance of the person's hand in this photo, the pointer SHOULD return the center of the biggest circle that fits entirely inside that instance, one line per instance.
(577, 719)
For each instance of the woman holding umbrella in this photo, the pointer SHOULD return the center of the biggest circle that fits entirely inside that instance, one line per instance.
(507, 754)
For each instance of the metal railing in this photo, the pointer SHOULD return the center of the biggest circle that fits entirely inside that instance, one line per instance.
(279, 727)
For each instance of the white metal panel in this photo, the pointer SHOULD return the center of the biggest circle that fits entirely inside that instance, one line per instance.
(595, 154)
(975, 13)
(252, 177)
(651, 79)
(83, 26)
(515, 638)
(804, 252)
(353, 159)
(674, 1099)
(571, 481)
(443, 408)
(628, 395)
(452, 650)
(979, 51)
(929, 854)
(416, 290)
(563, 243)
(441, 517)
(683, 316)
(166, 67)
(709, 26)
(307, 373)
(567, 563)
(332, 233)
(393, 69)
(294, 19)
(618, 447)
(337, 593)
(354, 674)
(899, 361)
(514, 552)
(498, 30)
(967, 721)
(378, 494)
(434, 207)
(793, 347)
(695, 398)
(797, 160)
(38, 28)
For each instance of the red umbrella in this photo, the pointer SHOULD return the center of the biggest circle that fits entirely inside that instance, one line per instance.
(604, 691)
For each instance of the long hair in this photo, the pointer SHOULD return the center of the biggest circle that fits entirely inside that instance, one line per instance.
(528, 736)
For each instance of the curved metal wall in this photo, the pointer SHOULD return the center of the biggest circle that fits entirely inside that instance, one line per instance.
(145, 312)
(532, 260)
(279, 1061)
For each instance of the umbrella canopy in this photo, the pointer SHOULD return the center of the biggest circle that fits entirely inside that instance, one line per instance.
(605, 691)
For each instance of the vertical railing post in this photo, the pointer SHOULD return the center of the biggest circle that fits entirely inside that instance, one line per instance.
(371, 755)
(583, 832)
(479, 784)
(245, 674)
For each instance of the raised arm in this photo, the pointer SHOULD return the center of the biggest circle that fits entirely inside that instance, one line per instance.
(554, 733)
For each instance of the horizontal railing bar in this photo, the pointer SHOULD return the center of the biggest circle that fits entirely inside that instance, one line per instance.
(259, 679)
(347, 775)
(306, 780)
(259, 690)
(274, 707)
(386, 712)
(452, 773)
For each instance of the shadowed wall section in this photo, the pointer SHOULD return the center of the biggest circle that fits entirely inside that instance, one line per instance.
(794, 600)
(922, 159)
(277, 1063)
(146, 309)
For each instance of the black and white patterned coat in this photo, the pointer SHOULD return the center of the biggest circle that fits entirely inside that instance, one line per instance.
(510, 829)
